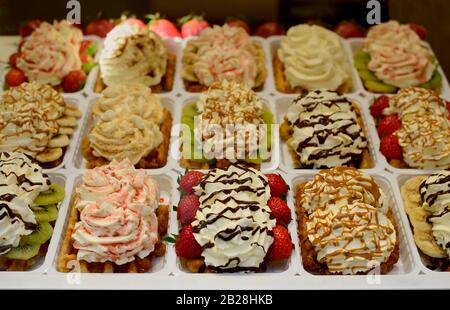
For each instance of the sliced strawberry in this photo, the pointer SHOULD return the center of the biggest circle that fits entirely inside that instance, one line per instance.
(278, 188)
(420, 30)
(189, 180)
(99, 27)
(268, 29)
(192, 25)
(163, 27)
(282, 244)
(13, 59)
(349, 30)
(236, 22)
(29, 27)
(187, 208)
(74, 81)
(186, 245)
(378, 106)
(280, 210)
(15, 77)
(388, 125)
(88, 47)
(390, 147)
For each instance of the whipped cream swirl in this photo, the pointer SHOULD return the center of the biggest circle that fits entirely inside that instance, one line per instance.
(118, 222)
(326, 132)
(21, 181)
(133, 55)
(234, 224)
(313, 58)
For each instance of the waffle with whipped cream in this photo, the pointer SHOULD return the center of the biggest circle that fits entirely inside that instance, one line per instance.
(311, 57)
(345, 225)
(323, 130)
(135, 55)
(115, 223)
(129, 122)
(36, 120)
(427, 203)
(223, 52)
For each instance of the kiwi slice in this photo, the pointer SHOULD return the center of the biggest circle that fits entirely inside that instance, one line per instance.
(45, 213)
(379, 87)
(23, 252)
(41, 235)
(435, 82)
(366, 74)
(51, 196)
(190, 110)
(361, 59)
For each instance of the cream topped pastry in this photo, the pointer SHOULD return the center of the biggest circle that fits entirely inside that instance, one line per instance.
(325, 130)
(425, 128)
(398, 56)
(234, 223)
(36, 120)
(342, 184)
(230, 121)
(21, 181)
(127, 123)
(223, 52)
(51, 52)
(435, 194)
(117, 222)
(133, 55)
(314, 58)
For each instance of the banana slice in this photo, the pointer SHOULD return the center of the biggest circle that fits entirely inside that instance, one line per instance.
(65, 131)
(49, 155)
(72, 111)
(67, 121)
(59, 141)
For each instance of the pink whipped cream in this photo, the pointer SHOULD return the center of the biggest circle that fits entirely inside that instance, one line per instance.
(398, 56)
(117, 205)
(51, 52)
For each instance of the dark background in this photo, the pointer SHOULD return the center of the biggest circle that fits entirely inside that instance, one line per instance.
(434, 14)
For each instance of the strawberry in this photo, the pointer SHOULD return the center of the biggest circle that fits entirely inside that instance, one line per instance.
(390, 147)
(379, 105)
(448, 105)
(186, 245)
(420, 30)
(268, 29)
(388, 125)
(192, 25)
(15, 77)
(278, 188)
(349, 30)
(99, 27)
(13, 59)
(163, 27)
(134, 21)
(189, 180)
(88, 47)
(280, 210)
(187, 208)
(74, 81)
(236, 22)
(282, 244)
(29, 27)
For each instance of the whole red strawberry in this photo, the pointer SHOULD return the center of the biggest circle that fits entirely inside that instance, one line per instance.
(278, 188)
(236, 22)
(189, 180)
(187, 208)
(29, 27)
(280, 210)
(99, 27)
(192, 25)
(163, 27)
(268, 29)
(349, 30)
(379, 105)
(388, 125)
(282, 244)
(74, 81)
(13, 59)
(390, 147)
(15, 77)
(186, 245)
(420, 30)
